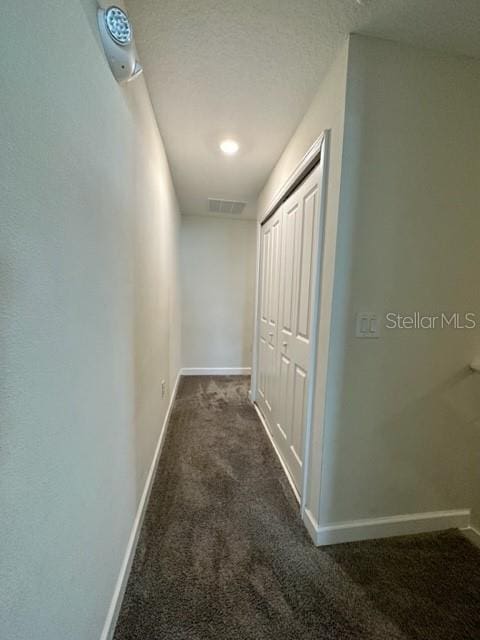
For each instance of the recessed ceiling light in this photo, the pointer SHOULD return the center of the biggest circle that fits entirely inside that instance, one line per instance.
(229, 147)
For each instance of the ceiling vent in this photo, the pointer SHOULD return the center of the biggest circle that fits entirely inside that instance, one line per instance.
(225, 206)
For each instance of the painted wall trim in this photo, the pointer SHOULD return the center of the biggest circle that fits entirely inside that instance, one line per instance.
(275, 448)
(121, 584)
(216, 371)
(253, 379)
(305, 164)
(367, 529)
(311, 524)
(473, 535)
(324, 142)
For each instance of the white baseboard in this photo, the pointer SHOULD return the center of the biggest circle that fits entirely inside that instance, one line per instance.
(216, 371)
(473, 535)
(121, 584)
(386, 527)
(279, 456)
(311, 525)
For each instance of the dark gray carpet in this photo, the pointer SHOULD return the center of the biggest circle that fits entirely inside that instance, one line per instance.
(223, 555)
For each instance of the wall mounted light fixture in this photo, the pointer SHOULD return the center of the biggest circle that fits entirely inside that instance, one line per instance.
(117, 38)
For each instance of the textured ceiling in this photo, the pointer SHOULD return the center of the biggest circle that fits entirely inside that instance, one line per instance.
(249, 70)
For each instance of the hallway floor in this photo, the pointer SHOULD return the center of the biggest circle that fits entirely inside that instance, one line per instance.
(223, 555)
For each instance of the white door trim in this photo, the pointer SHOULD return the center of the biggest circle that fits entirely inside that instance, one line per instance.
(312, 369)
(303, 167)
(253, 380)
(318, 150)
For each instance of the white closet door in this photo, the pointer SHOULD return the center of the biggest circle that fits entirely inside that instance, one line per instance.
(268, 321)
(287, 268)
(299, 253)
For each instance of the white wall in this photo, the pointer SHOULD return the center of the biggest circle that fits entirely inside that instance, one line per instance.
(403, 412)
(218, 280)
(89, 317)
(325, 112)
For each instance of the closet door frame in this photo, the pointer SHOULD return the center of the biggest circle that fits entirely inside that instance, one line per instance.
(317, 154)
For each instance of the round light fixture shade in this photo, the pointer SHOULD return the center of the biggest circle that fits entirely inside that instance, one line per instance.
(229, 147)
(117, 38)
(118, 25)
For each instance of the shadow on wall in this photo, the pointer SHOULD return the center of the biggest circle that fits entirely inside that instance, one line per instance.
(153, 230)
(430, 449)
(155, 278)
(421, 458)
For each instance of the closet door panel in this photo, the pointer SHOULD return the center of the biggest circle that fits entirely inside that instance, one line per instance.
(284, 383)
(288, 262)
(288, 275)
(261, 367)
(287, 323)
(272, 382)
(299, 397)
(263, 353)
(268, 317)
(306, 229)
(299, 243)
(307, 232)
